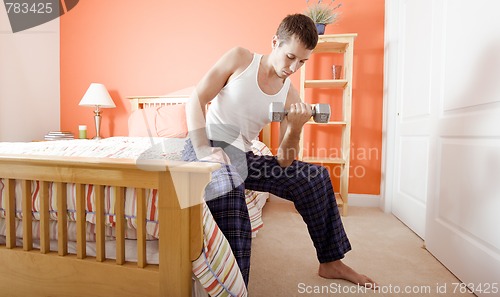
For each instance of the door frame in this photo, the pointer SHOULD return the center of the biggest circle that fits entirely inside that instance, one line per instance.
(390, 104)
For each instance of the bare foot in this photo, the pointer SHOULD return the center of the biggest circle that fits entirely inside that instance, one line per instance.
(338, 270)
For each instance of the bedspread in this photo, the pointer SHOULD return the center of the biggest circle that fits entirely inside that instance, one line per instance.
(138, 148)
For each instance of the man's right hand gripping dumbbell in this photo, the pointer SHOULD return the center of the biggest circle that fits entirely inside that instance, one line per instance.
(320, 112)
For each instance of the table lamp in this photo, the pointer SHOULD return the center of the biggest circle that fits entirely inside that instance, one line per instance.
(97, 95)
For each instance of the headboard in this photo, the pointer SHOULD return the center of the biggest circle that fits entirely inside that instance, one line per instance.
(140, 102)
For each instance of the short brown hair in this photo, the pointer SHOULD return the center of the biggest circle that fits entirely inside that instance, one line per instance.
(300, 26)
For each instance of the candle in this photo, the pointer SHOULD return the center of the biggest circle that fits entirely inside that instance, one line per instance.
(82, 132)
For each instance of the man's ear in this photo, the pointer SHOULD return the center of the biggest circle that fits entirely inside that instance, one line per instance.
(276, 41)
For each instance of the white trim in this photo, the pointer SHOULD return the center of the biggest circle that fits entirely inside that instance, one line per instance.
(364, 200)
(390, 104)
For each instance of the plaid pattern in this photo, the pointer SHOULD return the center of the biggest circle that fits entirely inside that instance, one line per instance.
(308, 186)
(225, 197)
(230, 212)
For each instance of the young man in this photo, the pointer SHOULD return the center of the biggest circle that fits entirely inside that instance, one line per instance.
(240, 87)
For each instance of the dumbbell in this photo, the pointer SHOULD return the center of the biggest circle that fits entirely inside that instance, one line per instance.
(320, 112)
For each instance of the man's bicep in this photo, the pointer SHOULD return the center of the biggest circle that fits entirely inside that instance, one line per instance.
(211, 84)
(217, 77)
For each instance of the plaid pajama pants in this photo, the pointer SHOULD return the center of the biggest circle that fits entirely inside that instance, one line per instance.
(308, 186)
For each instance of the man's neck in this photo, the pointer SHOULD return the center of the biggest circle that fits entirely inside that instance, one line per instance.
(267, 68)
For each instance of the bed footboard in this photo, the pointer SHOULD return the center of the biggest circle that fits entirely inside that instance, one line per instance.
(31, 272)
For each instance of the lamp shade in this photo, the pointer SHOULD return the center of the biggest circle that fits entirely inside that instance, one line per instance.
(97, 95)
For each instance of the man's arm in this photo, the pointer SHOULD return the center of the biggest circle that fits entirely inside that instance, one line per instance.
(209, 86)
(291, 127)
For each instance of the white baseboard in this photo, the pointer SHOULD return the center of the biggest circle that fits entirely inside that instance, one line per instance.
(364, 200)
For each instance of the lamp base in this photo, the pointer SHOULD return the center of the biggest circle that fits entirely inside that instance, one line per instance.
(97, 120)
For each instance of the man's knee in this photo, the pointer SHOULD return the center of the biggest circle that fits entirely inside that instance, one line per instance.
(224, 181)
(312, 171)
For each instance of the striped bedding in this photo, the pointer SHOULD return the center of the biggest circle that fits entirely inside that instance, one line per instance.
(216, 268)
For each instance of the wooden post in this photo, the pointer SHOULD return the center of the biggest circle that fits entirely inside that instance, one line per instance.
(120, 225)
(44, 217)
(27, 216)
(100, 238)
(175, 265)
(62, 219)
(141, 228)
(81, 217)
(10, 214)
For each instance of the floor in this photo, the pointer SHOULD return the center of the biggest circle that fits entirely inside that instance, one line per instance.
(284, 261)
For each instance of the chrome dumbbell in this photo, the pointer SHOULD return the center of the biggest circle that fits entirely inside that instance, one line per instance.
(320, 112)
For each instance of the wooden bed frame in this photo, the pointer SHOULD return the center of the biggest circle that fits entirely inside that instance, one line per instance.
(31, 272)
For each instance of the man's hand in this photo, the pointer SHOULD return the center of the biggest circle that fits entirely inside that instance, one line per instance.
(298, 115)
(213, 154)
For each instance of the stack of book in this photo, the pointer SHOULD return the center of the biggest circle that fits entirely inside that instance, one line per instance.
(59, 135)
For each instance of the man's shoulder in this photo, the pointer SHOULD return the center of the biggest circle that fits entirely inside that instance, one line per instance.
(240, 52)
(239, 56)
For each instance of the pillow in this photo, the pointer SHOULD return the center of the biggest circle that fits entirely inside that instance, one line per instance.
(164, 121)
(141, 123)
(171, 121)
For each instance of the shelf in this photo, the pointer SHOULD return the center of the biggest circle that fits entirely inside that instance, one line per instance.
(340, 46)
(330, 47)
(325, 83)
(337, 43)
(338, 198)
(323, 160)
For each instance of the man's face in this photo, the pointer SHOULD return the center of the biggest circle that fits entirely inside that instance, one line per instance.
(289, 56)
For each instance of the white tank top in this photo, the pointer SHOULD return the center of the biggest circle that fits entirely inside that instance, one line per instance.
(241, 109)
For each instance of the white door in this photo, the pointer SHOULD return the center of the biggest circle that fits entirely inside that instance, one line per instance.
(414, 113)
(447, 136)
(463, 218)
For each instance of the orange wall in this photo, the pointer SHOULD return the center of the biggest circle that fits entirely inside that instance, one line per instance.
(158, 46)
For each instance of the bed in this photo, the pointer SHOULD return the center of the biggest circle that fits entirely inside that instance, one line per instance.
(58, 250)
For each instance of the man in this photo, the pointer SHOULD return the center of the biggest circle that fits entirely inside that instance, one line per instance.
(240, 87)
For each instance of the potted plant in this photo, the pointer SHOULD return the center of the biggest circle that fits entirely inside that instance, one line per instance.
(322, 14)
